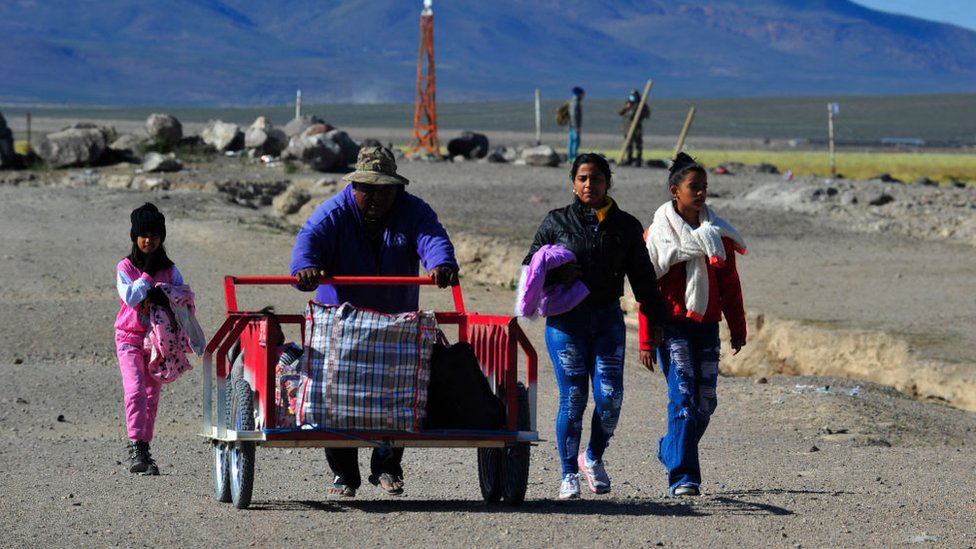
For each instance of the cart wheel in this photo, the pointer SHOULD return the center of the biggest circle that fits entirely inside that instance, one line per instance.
(241, 453)
(221, 471)
(515, 458)
(222, 453)
(490, 474)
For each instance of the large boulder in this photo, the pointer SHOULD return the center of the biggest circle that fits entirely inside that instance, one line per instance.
(125, 147)
(323, 148)
(156, 162)
(81, 144)
(164, 129)
(315, 150)
(298, 125)
(468, 145)
(8, 157)
(349, 148)
(223, 136)
(263, 138)
(543, 155)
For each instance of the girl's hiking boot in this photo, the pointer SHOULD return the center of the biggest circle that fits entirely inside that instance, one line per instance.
(140, 460)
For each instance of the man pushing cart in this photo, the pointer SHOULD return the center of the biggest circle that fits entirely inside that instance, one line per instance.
(373, 227)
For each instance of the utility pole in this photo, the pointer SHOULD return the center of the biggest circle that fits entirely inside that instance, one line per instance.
(425, 114)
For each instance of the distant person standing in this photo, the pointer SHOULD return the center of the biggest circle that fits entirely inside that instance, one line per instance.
(575, 123)
(627, 112)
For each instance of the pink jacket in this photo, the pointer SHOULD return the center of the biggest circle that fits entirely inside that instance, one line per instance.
(132, 284)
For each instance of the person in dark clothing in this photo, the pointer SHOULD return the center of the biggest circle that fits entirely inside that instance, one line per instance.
(586, 344)
(635, 147)
(575, 123)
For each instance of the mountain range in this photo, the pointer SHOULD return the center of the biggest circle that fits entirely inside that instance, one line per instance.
(251, 53)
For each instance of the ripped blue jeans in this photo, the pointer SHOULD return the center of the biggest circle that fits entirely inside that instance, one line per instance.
(584, 346)
(691, 366)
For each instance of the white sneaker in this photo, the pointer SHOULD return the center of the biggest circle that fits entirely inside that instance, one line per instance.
(569, 487)
(595, 473)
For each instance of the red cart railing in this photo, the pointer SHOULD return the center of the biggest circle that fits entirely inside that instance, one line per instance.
(498, 341)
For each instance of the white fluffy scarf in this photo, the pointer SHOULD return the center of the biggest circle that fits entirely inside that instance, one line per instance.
(670, 240)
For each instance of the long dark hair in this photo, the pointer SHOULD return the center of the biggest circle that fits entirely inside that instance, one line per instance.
(591, 158)
(139, 259)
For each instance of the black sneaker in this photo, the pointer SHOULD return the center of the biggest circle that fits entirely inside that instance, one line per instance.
(139, 459)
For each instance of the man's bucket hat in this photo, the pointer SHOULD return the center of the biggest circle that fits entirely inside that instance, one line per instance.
(376, 166)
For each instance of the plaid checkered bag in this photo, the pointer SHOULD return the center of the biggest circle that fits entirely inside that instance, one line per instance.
(365, 370)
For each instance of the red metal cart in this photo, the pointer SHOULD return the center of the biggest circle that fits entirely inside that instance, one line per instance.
(239, 415)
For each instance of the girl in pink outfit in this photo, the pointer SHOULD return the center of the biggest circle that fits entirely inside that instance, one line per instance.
(136, 276)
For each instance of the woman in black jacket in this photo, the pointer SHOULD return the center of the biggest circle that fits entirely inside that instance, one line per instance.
(587, 343)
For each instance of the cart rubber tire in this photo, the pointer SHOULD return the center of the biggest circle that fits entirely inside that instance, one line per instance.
(222, 452)
(242, 452)
(490, 473)
(515, 458)
(221, 471)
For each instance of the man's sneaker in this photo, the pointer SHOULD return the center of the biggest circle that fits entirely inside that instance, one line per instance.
(138, 456)
(595, 473)
(569, 487)
(685, 490)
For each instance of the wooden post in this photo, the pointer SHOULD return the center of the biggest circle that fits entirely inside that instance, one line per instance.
(830, 139)
(635, 121)
(684, 132)
(538, 118)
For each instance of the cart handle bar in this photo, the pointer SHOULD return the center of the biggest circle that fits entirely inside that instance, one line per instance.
(230, 281)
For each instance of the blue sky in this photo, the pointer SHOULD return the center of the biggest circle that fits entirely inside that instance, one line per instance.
(957, 12)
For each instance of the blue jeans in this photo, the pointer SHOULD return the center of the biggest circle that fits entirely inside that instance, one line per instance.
(572, 145)
(691, 368)
(583, 346)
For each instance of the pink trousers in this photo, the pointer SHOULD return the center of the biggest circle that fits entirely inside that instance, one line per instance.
(140, 390)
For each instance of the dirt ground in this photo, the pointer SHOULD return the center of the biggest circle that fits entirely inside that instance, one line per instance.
(852, 422)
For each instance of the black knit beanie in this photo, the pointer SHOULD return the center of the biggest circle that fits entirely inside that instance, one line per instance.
(147, 219)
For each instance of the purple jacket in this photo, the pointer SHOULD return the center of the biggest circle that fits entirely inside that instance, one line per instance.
(536, 299)
(334, 240)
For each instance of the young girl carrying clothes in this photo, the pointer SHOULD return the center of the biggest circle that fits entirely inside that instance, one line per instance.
(586, 342)
(136, 276)
(693, 252)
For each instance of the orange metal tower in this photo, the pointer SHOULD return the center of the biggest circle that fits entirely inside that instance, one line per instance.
(425, 114)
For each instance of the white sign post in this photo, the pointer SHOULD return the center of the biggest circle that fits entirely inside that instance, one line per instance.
(538, 118)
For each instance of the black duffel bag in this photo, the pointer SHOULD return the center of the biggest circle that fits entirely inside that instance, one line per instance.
(459, 396)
